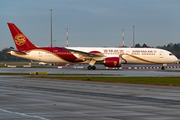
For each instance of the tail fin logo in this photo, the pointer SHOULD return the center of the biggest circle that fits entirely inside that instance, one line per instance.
(20, 39)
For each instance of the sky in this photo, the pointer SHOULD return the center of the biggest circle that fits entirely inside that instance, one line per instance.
(92, 23)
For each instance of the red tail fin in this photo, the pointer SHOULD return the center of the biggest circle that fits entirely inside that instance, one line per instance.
(20, 40)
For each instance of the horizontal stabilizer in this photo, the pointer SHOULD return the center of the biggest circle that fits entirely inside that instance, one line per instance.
(17, 52)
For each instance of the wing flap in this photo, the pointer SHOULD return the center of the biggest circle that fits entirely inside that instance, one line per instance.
(85, 54)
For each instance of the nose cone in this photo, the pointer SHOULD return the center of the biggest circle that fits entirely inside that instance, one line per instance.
(172, 59)
(176, 59)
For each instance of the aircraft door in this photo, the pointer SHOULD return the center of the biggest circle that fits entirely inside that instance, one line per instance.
(161, 54)
(40, 55)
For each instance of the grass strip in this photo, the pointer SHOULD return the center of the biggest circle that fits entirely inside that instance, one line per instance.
(62, 74)
(14, 74)
(175, 81)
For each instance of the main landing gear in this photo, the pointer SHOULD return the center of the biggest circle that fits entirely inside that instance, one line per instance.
(91, 67)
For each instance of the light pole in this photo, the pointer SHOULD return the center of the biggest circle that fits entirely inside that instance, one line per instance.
(67, 34)
(51, 25)
(133, 35)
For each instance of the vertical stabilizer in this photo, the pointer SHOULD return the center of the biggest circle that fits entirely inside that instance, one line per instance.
(20, 40)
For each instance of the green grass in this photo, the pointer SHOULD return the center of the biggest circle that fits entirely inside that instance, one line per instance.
(61, 74)
(134, 80)
(14, 73)
(88, 77)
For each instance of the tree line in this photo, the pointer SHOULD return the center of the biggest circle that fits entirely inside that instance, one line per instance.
(174, 48)
(5, 57)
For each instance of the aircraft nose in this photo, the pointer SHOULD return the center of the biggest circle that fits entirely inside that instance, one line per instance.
(174, 59)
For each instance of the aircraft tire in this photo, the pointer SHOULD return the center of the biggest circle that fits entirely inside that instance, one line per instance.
(93, 67)
(89, 67)
(162, 68)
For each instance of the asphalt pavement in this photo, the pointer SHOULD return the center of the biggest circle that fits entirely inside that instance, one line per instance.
(23, 98)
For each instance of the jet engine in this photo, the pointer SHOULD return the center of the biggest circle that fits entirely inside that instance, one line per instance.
(112, 62)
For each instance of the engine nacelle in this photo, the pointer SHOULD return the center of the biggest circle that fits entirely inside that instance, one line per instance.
(112, 62)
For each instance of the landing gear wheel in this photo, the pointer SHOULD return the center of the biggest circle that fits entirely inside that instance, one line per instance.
(89, 68)
(162, 68)
(93, 67)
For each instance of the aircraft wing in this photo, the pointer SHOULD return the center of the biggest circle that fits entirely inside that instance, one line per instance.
(85, 54)
(18, 52)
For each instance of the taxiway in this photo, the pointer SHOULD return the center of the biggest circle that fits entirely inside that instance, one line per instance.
(50, 99)
(128, 73)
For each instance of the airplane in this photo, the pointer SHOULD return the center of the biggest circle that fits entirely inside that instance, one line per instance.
(110, 57)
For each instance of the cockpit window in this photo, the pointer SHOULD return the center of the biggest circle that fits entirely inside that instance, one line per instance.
(170, 54)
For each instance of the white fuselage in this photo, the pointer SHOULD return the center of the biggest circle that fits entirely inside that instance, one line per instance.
(128, 55)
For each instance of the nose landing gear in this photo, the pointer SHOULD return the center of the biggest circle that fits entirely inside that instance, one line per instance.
(163, 66)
